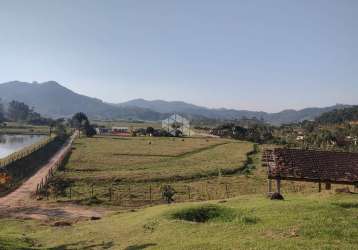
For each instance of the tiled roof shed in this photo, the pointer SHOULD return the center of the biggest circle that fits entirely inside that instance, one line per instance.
(310, 165)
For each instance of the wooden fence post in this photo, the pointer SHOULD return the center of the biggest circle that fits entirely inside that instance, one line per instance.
(207, 191)
(189, 193)
(150, 193)
(119, 197)
(278, 185)
(269, 186)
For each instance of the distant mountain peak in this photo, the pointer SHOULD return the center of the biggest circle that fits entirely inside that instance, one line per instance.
(54, 83)
(54, 100)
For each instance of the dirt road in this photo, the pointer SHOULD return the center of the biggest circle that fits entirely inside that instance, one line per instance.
(21, 203)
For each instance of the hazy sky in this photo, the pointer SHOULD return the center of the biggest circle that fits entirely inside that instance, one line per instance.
(257, 55)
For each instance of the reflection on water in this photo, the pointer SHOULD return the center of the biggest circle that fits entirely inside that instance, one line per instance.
(12, 143)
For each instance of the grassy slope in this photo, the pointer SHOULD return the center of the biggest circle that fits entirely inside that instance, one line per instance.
(316, 221)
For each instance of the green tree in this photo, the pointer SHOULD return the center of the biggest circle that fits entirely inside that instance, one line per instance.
(2, 113)
(78, 121)
(88, 129)
(18, 111)
(149, 131)
(60, 130)
(168, 193)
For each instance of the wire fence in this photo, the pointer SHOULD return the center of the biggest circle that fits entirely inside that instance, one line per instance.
(131, 195)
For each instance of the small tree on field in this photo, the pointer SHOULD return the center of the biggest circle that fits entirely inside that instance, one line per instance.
(89, 129)
(167, 193)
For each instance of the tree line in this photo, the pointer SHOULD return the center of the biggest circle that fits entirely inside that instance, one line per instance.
(20, 112)
(16, 111)
(336, 130)
(339, 116)
(258, 133)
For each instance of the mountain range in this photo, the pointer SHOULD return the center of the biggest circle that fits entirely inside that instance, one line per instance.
(54, 100)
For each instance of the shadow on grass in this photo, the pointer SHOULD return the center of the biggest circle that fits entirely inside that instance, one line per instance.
(347, 204)
(83, 245)
(185, 154)
(143, 155)
(139, 247)
(13, 243)
(33, 211)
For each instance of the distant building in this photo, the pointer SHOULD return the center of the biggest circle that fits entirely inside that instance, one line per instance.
(352, 139)
(300, 138)
(221, 132)
(176, 124)
(121, 131)
(102, 131)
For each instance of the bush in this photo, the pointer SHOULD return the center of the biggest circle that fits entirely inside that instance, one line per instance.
(212, 213)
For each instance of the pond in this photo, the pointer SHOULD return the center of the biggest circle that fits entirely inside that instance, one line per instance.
(12, 143)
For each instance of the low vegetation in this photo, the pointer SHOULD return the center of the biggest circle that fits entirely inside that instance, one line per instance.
(212, 213)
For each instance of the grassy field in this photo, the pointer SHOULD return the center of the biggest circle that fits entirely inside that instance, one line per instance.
(17, 128)
(134, 124)
(130, 172)
(314, 221)
(206, 172)
(136, 168)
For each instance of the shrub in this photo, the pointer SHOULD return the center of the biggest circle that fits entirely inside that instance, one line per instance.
(212, 213)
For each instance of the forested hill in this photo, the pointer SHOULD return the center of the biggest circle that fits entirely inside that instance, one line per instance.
(54, 100)
(339, 116)
(285, 116)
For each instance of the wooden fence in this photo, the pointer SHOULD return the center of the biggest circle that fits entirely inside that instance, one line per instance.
(132, 195)
(25, 152)
(42, 187)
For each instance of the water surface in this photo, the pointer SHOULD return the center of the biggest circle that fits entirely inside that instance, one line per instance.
(12, 143)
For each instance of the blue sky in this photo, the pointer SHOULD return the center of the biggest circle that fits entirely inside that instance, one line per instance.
(256, 55)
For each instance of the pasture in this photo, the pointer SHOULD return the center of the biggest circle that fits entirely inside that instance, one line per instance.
(132, 170)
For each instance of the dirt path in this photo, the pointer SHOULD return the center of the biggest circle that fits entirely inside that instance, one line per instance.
(22, 204)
